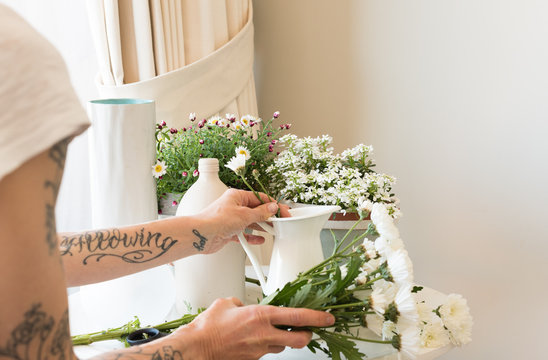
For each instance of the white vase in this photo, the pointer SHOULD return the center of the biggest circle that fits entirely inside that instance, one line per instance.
(122, 146)
(200, 279)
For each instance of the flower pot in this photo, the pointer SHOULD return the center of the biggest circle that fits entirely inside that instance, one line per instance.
(168, 203)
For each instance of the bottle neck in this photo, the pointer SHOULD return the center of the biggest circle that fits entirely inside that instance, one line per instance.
(208, 169)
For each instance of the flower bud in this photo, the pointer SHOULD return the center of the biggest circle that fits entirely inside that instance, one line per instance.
(160, 127)
(195, 173)
(269, 133)
(276, 114)
(185, 174)
(173, 131)
(174, 203)
(164, 123)
(201, 141)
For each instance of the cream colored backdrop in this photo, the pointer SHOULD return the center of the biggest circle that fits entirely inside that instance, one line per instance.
(453, 95)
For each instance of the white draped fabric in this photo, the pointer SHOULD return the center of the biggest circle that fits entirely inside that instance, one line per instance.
(187, 55)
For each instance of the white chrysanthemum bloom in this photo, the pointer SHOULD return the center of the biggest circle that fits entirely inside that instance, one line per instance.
(242, 151)
(372, 265)
(236, 125)
(159, 169)
(369, 248)
(374, 323)
(362, 278)
(246, 120)
(388, 288)
(365, 205)
(230, 116)
(388, 329)
(409, 342)
(455, 315)
(214, 120)
(237, 164)
(426, 315)
(407, 307)
(434, 335)
(384, 246)
(378, 300)
(383, 222)
(400, 267)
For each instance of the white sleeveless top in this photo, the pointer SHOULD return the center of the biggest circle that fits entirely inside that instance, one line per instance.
(38, 106)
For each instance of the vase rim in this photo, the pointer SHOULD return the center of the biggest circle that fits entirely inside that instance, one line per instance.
(307, 212)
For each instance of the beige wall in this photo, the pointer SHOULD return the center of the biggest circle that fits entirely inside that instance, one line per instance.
(453, 95)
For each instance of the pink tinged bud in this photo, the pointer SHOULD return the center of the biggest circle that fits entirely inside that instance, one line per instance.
(173, 131)
(201, 155)
(161, 177)
(232, 119)
(269, 133)
(184, 129)
(277, 153)
(227, 125)
(174, 203)
(201, 141)
(270, 148)
(160, 211)
(282, 126)
(195, 131)
(253, 163)
(195, 173)
(164, 123)
(251, 123)
(185, 173)
(273, 142)
(287, 126)
(160, 127)
(276, 114)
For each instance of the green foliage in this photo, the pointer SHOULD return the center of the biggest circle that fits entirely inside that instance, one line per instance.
(181, 149)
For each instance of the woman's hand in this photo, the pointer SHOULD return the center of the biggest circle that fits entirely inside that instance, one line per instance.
(235, 211)
(228, 330)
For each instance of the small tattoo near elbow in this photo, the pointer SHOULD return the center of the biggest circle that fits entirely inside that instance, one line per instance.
(199, 246)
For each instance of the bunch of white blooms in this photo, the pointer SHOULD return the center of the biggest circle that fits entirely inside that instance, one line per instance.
(308, 171)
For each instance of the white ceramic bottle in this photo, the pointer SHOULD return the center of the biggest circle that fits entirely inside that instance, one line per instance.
(200, 279)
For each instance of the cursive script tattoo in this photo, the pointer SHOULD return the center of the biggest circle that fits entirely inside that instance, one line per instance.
(166, 353)
(28, 339)
(136, 248)
(203, 240)
(57, 154)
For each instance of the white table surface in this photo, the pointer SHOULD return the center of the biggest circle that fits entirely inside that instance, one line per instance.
(79, 320)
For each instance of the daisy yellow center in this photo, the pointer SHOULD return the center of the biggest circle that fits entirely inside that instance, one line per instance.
(243, 152)
(158, 168)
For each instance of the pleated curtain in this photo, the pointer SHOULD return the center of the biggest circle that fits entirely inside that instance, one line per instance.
(187, 55)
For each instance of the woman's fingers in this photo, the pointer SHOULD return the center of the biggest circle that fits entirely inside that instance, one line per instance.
(300, 317)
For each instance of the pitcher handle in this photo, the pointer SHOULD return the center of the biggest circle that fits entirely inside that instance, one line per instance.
(254, 261)
(269, 229)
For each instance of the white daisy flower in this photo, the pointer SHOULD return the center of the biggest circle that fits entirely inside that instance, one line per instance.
(369, 247)
(374, 323)
(378, 300)
(387, 288)
(246, 120)
(384, 245)
(240, 150)
(455, 315)
(433, 335)
(383, 222)
(237, 164)
(400, 267)
(159, 169)
(237, 125)
(409, 340)
(214, 120)
(407, 308)
(388, 329)
(192, 116)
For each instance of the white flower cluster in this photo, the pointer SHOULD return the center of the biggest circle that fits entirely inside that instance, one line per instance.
(396, 312)
(308, 171)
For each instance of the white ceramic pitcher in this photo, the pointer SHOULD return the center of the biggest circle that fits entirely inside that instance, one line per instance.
(297, 245)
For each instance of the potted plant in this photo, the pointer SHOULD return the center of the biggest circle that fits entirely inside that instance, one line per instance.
(179, 150)
(307, 171)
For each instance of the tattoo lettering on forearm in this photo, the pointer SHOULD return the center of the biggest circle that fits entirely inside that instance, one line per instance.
(31, 339)
(166, 353)
(199, 246)
(136, 248)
